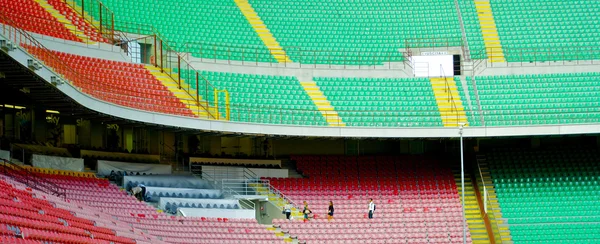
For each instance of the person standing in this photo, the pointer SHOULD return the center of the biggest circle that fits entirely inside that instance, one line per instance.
(330, 211)
(371, 208)
(306, 211)
(288, 211)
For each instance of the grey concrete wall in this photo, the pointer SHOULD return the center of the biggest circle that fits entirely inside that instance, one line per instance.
(97, 50)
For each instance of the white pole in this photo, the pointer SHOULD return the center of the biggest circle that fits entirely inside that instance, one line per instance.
(462, 182)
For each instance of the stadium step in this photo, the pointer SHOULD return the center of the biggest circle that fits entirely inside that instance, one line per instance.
(475, 221)
(263, 32)
(65, 21)
(496, 212)
(189, 99)
(81, 11)
(491, 39)
(323, 105)
(449, 102)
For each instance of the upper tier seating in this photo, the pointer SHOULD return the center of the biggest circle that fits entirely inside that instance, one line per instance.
(219, 26)
(472, 29)
(362, 32)
(125, 84)
(107, 206)
(539, 99)
(263, 98)
(382, 101)
(416, 200)
(548, 30)
(30, 16)
(24, 216)
(548, 195)
(77, 20)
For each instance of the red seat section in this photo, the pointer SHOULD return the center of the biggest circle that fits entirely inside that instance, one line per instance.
(30, 218)
(416, 200)
(77, 20)
(30, 16)
(109, 207)
(122, 83)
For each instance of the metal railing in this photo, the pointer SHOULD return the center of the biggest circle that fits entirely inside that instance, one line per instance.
(489, 208)
(538, 56)
(277, 192)
(96, 14)
(331, 58)
(31, 179)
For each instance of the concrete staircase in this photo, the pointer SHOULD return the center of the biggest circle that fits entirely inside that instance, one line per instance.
(449, 102)
(495, 213)
(475, 221)
(491, 39)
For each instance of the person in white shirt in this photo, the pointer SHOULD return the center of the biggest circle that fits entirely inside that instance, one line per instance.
(288, 211)
(371, 208)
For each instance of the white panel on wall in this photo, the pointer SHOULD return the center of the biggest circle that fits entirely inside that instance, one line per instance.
(433, 66)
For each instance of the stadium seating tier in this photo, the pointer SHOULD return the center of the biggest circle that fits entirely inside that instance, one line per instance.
(548, 195)
(416, 200)
(30, 16)
(564, 98)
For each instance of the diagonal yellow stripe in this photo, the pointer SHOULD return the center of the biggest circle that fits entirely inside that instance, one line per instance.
(449, 103)
(491, 39)
(263, 32)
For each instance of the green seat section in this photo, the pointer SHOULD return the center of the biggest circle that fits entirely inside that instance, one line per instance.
(206, 28)
(471, 110)
(382, 102)
(548, 30)
(358, 32)
(548, 195)
(472, 29)
(259, 98)
(548, 99)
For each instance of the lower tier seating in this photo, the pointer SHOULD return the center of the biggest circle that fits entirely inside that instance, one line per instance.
(548, 195)
(122, 83)
(30, 16)
(552, 99)
(416, 200)
(108, 206)
(33, 220)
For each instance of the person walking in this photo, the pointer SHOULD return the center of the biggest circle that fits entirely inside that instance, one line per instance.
(306, 211)
(330, 211)
(287, 209)
(371, 208)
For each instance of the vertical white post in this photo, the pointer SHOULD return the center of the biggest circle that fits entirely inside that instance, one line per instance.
(462, 182)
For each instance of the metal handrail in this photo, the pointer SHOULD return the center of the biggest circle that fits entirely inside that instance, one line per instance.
(32, 180)
(486, 197)
(277, 192)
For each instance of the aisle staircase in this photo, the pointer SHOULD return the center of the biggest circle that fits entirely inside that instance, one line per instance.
(188, 99)
(496, 216)
(491, 39)
(449, 103)
(263, 190)
(323, 105)
(475, 221)
(263, 32)
(65, 21)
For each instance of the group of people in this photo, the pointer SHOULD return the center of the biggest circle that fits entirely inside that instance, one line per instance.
(287, 210)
